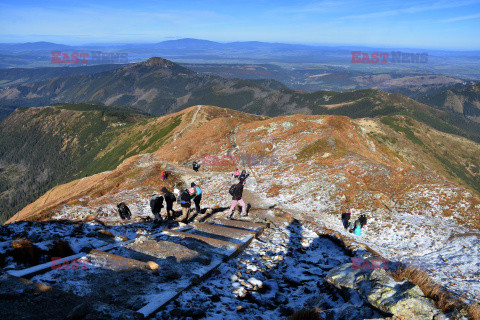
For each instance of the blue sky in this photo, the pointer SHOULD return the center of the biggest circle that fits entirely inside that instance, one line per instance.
(414, 24)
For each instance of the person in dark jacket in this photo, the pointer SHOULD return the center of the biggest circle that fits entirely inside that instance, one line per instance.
(345, 219)
(124, 211)
(362, 220)
(156, 205)
(197, 197)
(169, 200)
(185, 202)
(195, 166)
(244, 175)
(237, 198)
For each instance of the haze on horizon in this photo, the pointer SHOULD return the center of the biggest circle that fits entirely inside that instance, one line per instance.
(439, 24)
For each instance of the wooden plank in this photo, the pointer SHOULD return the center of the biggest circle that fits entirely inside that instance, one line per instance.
(229, 247)
(160, 301)
(163, 299)
(223, 231)
(241, 224)
(115, 262)
(48, 265)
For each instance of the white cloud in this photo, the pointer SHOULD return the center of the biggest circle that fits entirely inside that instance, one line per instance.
(462, 18)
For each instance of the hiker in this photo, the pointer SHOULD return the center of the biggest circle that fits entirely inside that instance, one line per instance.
(362, 220)
(169, 200)
(345, 219)
(197, 197)
(357, 228)
(123, 211)
(156, 205)
(185, 198)
(237, 192)
(195, 166)
(244, 175)
(163, 175)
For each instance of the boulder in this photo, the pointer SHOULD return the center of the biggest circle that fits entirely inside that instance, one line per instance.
(401, 299)
(345, 277)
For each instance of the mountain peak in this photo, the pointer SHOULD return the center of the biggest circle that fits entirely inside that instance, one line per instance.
(158, 62)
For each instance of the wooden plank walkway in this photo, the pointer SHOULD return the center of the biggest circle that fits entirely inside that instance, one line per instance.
(198, 249)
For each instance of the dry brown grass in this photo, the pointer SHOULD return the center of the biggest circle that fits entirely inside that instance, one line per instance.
(474, 311)
(24, 251)
(443, 299)
(274, 190)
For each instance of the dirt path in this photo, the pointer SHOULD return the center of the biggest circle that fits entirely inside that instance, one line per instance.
(194, 118)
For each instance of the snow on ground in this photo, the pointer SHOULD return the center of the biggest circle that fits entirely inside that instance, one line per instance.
(278, 274)
(415, 233)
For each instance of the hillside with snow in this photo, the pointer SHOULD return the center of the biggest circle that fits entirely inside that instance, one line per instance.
(311, 168)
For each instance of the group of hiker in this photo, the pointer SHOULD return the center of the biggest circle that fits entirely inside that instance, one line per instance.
(194, 192)
(354, 227)
(183, 198)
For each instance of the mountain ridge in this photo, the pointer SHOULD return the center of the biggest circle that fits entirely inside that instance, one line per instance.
(160, 86)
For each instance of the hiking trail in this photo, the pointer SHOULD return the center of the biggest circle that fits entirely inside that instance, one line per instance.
(194, 118)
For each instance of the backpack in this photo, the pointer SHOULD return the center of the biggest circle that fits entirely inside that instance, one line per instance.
(124, 211)
(362, 220)
(156, 204)
(170, 196)
(180, 196)
(358, 230)
(232, 189)
(199, 191)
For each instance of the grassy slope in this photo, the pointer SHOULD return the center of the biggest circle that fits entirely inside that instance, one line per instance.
(452, 156)
(43, 147)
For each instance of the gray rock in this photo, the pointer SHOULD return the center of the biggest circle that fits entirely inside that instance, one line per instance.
(344, 277)
(402, 299)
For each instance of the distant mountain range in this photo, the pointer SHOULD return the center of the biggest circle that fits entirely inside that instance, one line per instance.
(452, 63)
(159, 86)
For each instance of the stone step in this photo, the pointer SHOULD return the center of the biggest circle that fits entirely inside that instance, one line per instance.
(227, 248)
(223, 231)
(163, 249)
(241, 236)
(242, 224)
(115, 262)
(232, 235)
(226, 233)
(160, 300)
